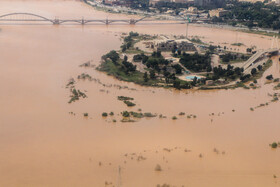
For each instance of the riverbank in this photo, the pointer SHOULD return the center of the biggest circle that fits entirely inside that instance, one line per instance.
(129, 11)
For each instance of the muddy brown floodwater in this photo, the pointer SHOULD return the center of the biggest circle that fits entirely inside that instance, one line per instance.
(41, 144)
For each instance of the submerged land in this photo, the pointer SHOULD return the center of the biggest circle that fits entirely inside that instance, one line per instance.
(96, 105)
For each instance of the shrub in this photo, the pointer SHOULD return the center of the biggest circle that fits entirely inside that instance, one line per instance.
(174, 117)
(274, 145)
(125, 114)
(129, 103)
(253, 71)
(158, 168)
(85, 114)
(104, 114)
(124, 98)
(137, 114)
(149, 115)
(111, 113)
(269, 77)
(274, 99)
(276, 80)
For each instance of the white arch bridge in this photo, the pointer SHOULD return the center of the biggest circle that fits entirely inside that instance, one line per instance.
(33, 18)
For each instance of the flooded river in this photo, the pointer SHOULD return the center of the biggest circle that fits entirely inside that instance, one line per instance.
(41, 144)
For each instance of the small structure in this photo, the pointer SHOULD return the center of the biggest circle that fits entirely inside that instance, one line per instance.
(221, 81)
(220, 12)
(169, 45)
(149, 45)
(192, 77)
(209, 82)
(192, 9)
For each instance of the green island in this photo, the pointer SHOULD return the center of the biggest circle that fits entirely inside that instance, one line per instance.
(181, 63)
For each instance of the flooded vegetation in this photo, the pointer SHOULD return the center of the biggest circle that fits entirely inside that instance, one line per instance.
(169, 137)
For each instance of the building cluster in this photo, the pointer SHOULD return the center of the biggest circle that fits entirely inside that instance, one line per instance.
(169, 45)
(153, 2)
(193, 3)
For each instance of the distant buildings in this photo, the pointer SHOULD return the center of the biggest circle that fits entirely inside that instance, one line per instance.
(252, 1)
(220, 12)
(201, 2)
(180, 1)
(153, 2)
(276, 1)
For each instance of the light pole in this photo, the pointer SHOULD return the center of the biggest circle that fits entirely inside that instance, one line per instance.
(187, 26)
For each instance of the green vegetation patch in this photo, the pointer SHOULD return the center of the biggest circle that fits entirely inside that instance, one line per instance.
(129, 103)
(104, 114)
(76, 95)
(274, 145)
(230, 58)
(237, 44)
(124, 71)
(124, 98)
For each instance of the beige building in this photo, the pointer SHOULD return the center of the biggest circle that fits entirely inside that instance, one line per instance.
(192, 9)
(220, 12)
(276, 1)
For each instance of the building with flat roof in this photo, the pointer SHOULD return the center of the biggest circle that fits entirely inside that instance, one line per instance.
(192, 9)
(220, 12)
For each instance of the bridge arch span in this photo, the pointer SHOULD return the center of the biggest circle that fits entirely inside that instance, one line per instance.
(28, 14)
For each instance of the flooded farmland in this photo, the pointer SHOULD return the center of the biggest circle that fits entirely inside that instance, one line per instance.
(45, 141)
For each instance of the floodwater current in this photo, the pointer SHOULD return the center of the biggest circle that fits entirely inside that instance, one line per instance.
(41, 144)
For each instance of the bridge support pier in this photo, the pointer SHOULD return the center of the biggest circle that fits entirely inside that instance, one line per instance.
(132, 22)
(83, 21)
(56, 22)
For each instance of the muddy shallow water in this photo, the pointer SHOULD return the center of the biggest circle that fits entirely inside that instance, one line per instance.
(43, 145)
